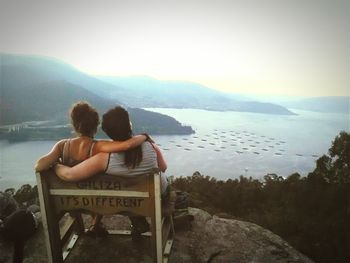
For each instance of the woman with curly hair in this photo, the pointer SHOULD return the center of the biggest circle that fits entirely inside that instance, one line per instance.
(85, 120)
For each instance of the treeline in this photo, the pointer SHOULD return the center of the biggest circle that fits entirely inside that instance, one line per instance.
(312, 213)
(57, 133)
(36, 134)
(156, 124)
(143, 122)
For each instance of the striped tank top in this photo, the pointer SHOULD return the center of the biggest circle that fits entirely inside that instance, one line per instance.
(116, 164)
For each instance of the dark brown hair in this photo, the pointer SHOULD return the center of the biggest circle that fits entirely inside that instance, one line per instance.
(116, 124)
(84, 118)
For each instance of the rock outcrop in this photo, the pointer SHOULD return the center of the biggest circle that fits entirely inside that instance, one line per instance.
(210, 239)
(215, 239)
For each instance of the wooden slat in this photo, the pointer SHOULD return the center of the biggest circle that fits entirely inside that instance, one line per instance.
(78, 192)
(166, 227)
(101, 182)
(158, 218)
(168, 246)
(50, 222)
(126, 233)
(69, 246)
(66, 226)
(103, 205)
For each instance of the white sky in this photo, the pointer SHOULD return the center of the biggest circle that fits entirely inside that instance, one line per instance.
(290, 47)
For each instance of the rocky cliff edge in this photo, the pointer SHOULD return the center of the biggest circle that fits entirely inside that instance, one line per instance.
(207, 239)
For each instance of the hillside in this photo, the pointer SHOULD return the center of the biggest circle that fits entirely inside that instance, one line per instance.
(22, 71)
(25, 70)
(149, 92)
(322, 104)
(330, 104)
(44, 101)
(50, 102)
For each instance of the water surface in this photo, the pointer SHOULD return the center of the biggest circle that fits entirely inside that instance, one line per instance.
(225, 145)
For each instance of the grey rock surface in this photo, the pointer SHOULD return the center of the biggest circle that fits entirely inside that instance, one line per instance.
(7, 205)
(211, 239)
(214, 239)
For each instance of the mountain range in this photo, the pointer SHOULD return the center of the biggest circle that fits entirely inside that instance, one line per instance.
(141, 91)
(41, 88)
(38, 89)
(334, 104)
(57, 83)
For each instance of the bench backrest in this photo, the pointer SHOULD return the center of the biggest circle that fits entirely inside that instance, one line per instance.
(102, 194)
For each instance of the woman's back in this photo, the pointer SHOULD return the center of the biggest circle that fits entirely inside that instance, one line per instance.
(76, 150)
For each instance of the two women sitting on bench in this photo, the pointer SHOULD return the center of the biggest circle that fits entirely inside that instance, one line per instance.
(83, 157)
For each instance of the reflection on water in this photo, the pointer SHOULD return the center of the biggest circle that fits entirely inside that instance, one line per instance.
(262, 144)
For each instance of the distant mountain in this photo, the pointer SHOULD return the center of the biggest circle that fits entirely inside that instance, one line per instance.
(49, 100)
(321, 104)
(32, 91)
(148, 92)
(27, 71)
(23, 71)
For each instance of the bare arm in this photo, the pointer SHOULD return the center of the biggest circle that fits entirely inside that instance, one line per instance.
(119, 146)
(83, 170)
(160, 159)
(47, 160)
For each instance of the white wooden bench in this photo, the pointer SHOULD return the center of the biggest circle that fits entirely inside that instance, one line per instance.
(105, 195)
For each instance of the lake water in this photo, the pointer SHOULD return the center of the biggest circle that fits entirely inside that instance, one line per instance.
(225, 145)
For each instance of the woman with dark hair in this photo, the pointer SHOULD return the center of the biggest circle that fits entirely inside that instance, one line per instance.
(133, 162)
(85, 120)
(70, 152)
(117, 125)
(121, 131)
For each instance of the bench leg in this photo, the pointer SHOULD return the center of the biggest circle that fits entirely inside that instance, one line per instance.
(50, 224)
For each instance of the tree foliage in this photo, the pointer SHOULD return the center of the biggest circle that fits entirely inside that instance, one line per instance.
(312, 213)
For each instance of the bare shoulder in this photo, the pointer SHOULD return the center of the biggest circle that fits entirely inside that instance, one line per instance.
(59, 145)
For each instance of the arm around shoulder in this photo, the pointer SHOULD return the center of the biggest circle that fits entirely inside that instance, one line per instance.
(120, 146)
(84, 170)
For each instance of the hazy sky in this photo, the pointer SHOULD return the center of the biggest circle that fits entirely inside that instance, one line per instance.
(293, 47)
